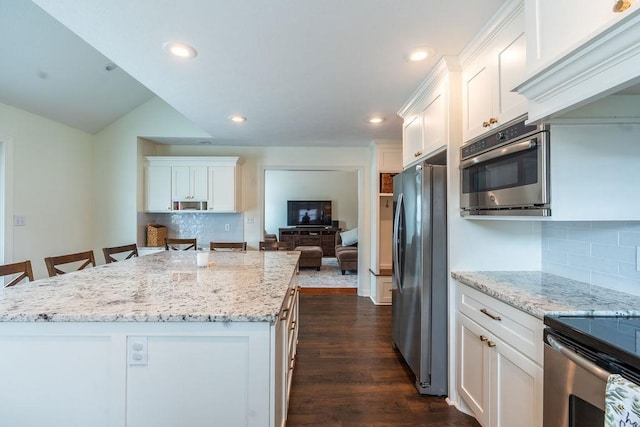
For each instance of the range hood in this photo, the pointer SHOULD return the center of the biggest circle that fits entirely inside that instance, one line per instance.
(605, 64)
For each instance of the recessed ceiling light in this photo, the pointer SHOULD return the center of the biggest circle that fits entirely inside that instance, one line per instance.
(420, 54)
(110, 66)
(376, 119)
(181, 50)
(238, 119)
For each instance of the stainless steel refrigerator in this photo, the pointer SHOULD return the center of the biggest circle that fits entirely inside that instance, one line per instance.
(419, 290)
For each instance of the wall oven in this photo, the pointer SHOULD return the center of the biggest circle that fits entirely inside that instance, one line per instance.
(579, 355)
(506, 172)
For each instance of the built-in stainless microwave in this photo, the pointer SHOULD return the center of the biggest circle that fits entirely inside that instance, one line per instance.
(506, 172)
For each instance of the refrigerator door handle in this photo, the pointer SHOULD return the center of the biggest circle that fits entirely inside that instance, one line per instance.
(398, 255)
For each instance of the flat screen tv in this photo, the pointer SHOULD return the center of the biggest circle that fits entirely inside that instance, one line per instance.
(302, 213)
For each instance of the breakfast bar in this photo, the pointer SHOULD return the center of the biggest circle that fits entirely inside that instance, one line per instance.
(153, 341)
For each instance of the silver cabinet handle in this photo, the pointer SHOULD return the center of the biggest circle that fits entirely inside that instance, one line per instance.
(486, 313)
(491, 344)
(578, 360)
(483, 338)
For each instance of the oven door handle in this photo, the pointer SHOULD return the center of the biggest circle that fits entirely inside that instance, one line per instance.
(589, 366)
(500, 152)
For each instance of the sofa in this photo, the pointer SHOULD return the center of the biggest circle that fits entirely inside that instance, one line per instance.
(347, 255)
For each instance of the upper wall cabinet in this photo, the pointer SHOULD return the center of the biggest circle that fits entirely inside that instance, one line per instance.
(178, 184)
(578, 53)
(189, 183)
(425, 115)
(493, 65)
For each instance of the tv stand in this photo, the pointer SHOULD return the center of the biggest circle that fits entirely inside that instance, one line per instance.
(310, 235)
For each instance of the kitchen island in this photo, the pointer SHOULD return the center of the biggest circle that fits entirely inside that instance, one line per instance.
(152, 341)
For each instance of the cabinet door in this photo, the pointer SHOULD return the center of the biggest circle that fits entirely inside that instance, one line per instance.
(433, 118)
(477, 96)
(199, 180)
(412, 139)
(517, 388)
(222, 189)
(181, 183)
(510, 56)
(556, 28)
(474, 368)
(158, 186)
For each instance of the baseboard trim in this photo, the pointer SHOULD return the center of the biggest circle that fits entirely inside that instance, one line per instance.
(325, 291)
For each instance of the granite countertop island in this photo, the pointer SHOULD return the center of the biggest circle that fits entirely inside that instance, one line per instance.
(163, 287)
(154, 340)
(540, 293)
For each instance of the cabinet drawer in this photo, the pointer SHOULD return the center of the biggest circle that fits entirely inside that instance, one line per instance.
(519, 329)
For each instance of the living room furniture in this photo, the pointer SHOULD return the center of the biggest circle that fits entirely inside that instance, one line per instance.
(181, 244)
(347, 255)
(311, 236)
(310, 256)
(237, 246)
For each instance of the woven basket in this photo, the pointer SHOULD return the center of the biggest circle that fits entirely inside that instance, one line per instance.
(156, 235)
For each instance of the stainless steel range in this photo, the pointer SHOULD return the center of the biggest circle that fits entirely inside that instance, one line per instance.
(579, 355)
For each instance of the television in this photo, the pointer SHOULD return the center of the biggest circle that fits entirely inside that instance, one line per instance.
(302, 213)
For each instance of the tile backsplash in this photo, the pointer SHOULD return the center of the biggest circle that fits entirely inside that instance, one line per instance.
(600, 253)
(205, 227)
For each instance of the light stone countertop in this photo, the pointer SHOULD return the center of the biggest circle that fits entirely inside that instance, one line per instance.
(162, 287)
(540, 293)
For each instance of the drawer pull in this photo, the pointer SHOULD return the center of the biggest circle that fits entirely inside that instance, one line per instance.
(621, 6)
(491, 344)
(485, 124)
(493, 316)
(417, 154)
(483, 338)
(493, 120)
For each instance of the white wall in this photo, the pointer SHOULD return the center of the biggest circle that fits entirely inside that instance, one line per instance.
(52, 187)
(341, 187)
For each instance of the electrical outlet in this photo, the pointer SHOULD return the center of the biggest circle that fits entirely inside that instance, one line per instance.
(227, 227)
(19, 220)
(249, 220)
(138, 354)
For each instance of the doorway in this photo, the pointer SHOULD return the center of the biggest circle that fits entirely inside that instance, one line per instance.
(341, 186)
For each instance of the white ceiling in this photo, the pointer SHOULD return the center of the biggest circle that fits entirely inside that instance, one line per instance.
(303, 72)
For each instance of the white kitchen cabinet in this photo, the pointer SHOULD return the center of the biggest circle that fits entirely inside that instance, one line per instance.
(208, 184)
(412, 139)
(224, 189)
(426, 115)
(493, 65)
(499, 366)
(556, 28)
(158, 188)
(189, 183)
(578, 54)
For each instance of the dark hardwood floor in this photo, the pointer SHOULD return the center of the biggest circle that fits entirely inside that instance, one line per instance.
(348, 374)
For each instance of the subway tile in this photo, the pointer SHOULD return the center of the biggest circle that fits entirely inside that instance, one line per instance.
(602, 265)
(618, 283)
(594, 235)
(554, 232)
(629, 238)
(555, 257)
(579, 274)
(569, 246)
(628, 270)
(619, 253)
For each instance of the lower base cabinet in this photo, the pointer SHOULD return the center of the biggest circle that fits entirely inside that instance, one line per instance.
(501, 385)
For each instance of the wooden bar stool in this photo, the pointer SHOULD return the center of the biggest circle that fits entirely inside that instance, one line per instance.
(23, 269)
(86, 258)
(235, 246)
(180, 244)
(109, 252)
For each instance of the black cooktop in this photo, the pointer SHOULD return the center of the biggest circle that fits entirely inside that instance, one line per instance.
(611, 337)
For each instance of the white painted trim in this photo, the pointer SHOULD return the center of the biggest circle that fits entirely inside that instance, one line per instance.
(362, 268)
(601, 66)
(6, 199)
